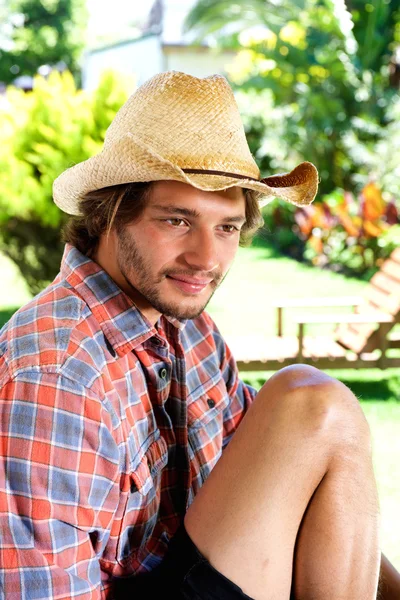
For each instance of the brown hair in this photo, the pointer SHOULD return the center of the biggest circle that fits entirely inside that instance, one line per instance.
(101, 209)
(119, 205)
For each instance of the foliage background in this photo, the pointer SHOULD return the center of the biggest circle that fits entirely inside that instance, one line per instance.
(34, 33)
(323, 74)
(319, 80)
(43, 133)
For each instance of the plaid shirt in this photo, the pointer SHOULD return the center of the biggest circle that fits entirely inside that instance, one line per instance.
(108, 428)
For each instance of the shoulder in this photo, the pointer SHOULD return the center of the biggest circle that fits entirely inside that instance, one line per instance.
(51, 334)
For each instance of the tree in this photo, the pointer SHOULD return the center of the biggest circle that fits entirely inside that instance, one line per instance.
(325, 65)
(40, 32)
(43, 133)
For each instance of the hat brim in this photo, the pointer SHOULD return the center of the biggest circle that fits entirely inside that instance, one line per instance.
(128, 160)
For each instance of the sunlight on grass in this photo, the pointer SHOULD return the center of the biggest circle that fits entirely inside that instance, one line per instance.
(14, 291)
(384, 420)
(257, 278)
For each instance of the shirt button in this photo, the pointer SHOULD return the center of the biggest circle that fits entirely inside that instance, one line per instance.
(163, 373)
(211, 403)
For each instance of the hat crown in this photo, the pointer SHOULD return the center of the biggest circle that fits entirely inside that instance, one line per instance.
(177, 127)
(194, 123)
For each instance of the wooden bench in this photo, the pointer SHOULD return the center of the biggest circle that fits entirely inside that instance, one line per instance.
(360, 340)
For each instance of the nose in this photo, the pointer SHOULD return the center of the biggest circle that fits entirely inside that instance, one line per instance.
(201, 255)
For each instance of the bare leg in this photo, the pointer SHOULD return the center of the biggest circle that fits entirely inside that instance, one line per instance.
(293, 497)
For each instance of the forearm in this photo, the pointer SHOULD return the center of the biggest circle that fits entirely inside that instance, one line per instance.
(389, 584)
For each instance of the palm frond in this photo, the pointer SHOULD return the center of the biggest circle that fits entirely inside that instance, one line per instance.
(211, 16)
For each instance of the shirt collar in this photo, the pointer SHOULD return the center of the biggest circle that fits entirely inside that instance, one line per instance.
(124, 326)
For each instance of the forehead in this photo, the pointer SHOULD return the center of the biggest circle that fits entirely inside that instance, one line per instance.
(182, 194)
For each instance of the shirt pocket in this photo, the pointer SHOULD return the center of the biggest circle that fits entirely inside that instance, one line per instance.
(206, 429)
(207, 403)
(143, 503)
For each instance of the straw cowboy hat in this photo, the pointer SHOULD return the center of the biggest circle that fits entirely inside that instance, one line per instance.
(182, 128)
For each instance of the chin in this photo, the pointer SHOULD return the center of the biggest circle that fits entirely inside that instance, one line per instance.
(178, 312)
(178, 306)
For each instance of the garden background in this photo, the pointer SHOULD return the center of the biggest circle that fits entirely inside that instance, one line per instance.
(315, 80)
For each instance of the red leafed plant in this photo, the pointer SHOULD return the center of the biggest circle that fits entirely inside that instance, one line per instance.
(341, 232)
(347, 234)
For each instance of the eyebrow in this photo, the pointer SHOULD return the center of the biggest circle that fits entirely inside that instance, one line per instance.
(190, 212)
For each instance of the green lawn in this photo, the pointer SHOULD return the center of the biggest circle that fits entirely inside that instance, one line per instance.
(243, 306)
(13, 292)
(384, 420)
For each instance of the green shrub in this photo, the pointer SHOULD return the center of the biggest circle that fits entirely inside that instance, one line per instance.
(281, 230)
(324, 75)
(43, 133)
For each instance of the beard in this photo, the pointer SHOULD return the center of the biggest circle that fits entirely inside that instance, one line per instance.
(132, 262)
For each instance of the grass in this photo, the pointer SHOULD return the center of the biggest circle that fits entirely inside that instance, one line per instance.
(14, 291)
(258, 277)
(384, 420)
(243, 305)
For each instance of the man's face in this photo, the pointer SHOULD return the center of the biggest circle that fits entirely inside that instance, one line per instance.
(174, 256)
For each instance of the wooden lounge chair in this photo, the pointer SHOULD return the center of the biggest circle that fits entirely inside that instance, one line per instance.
(360, 340)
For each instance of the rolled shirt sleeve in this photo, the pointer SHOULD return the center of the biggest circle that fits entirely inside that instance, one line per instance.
(59, 487)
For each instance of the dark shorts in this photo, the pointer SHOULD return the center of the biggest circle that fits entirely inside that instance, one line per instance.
(184, 574)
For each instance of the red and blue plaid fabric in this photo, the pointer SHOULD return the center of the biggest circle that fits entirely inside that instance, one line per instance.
(108, 428)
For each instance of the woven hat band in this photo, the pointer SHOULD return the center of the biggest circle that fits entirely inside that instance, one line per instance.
(222, 173)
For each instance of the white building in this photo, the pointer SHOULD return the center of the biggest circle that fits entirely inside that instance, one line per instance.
(162, 46)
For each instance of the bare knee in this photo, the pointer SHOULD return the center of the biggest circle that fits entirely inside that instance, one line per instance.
(321, 405)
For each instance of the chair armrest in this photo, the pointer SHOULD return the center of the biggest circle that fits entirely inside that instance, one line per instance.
(372, 317)
(337, 301)
(317, 302)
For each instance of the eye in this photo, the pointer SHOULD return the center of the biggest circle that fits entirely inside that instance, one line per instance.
(176, 222)
(229, 229)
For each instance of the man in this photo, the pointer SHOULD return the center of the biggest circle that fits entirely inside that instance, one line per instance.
(135, 463)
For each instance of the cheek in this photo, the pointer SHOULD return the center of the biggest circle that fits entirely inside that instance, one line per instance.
(156, 250)
(148, 240)
(227, 255)
(156, 238)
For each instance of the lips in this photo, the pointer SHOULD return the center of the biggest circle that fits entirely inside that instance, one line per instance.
(189, 285)
(192, 280)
